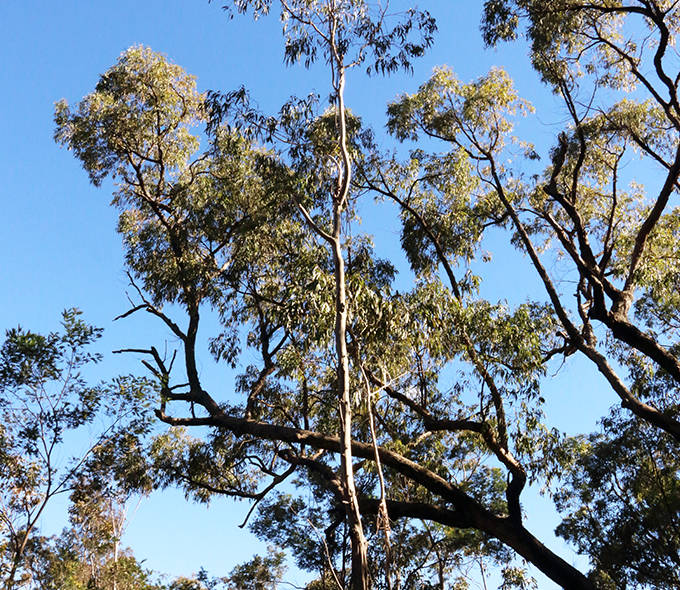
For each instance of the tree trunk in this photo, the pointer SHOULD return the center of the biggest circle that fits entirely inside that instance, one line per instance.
(360, 578)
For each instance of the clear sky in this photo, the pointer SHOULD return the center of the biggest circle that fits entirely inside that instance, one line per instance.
(58, 241)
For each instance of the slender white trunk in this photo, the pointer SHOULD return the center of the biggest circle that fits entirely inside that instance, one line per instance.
(360, 577)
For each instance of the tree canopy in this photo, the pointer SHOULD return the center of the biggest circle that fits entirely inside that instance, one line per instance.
(386, 437)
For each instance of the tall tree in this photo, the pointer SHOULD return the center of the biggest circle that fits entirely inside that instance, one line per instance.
(345, 33)
(424, 405)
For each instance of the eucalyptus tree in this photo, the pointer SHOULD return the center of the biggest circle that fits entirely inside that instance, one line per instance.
(345, 34)
(334, 29)
(222, 228)
(599, 210)
(619, 241)
(430, 398)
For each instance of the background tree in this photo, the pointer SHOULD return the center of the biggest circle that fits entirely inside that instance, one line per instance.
(46, 405)
(90, 555)
(260, 573)
(621, 505)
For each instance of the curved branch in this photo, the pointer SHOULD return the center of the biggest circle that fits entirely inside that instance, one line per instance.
(470, 512)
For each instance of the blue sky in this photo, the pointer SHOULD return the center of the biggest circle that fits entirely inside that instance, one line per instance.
(58, 241)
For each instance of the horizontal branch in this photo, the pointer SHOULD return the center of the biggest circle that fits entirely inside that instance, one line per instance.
(469, 512)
